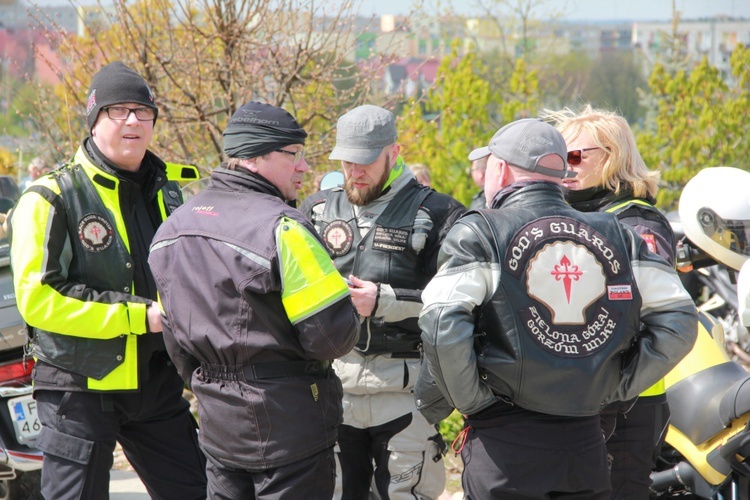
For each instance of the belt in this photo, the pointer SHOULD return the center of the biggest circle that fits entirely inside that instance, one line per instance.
(285, 369)
(260, 371)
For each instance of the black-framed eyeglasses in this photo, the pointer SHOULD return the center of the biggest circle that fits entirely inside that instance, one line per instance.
(298, 155)
(576, 156)
(123, 113)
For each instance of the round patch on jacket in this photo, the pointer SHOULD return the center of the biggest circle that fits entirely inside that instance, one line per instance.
(338, 236)
(95, 232)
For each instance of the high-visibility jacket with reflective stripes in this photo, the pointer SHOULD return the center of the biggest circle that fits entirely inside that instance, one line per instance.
(653, 225)
(73, 272)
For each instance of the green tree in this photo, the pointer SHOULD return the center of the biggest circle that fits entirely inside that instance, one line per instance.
(615, 82)
(699, 122)
(463, 105)
(467, 112)
(521, 99)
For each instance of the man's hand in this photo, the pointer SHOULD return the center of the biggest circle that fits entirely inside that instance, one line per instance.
(364, 295)
(153, 315)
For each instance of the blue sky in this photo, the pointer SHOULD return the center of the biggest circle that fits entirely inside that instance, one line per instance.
(658, 10)
(589, 9)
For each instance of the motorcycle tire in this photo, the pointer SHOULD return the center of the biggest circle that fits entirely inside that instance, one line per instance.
(26, 486)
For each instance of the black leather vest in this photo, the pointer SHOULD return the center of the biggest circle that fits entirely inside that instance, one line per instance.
(102, 262)
(518, 339)
(383, 255)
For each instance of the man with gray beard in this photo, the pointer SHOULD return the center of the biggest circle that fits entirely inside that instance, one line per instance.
(383, 230)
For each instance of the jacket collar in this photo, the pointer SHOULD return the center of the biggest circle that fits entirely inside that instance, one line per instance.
(526, 191)
(151, 176)
(243, 179)
(598, 200)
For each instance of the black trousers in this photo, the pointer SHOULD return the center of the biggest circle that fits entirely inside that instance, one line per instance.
(312, 478)
(154, 426)
(531, 459)
(635, 445)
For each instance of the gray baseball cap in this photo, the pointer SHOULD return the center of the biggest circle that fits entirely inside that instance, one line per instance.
(524, 143)
(362, 133)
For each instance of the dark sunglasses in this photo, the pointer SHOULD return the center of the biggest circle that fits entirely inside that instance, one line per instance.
(575, 156)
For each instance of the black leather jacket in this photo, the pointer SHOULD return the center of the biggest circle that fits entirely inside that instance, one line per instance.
(539, 305)
(638, 213)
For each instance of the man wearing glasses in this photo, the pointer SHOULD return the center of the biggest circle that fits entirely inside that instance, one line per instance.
(80, 240)
(255, 312)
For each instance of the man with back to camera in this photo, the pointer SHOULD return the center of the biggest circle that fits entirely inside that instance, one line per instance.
(383, 230)
(79, 252)
(255, 310)
(539, 316)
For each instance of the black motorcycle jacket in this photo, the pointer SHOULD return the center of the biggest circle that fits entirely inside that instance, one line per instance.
(255, 311)
(539, 305)
(643, 217)
(638, 213)
(400, 250)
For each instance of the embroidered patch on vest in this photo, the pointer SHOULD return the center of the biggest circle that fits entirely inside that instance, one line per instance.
(566, 266)
(576, 342)
(390, 239)
(620, 292)
(338, 236)
(650, 241)
(95, 232)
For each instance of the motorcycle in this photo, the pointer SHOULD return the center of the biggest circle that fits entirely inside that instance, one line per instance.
(707, 451)
(20, 462)
(713, 287)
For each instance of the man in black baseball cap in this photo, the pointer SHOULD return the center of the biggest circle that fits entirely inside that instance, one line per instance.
(255, 312)
(80, 242)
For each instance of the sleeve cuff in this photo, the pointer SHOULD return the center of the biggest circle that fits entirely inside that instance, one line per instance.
(138, 319)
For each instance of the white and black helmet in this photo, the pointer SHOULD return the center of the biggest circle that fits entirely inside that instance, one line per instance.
(715, 214)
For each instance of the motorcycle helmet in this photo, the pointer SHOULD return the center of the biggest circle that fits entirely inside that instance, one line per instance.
(715, 214)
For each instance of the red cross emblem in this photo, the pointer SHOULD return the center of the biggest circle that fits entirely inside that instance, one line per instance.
(568, 273)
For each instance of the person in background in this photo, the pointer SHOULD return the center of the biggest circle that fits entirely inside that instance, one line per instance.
(530, 324)
(37, 168)
(254, 313)
(79, 250)
(383, 230)
(612, 177)
(422, 174)
(478, 168)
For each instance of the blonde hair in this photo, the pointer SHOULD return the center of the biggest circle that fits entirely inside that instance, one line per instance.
(623, 166)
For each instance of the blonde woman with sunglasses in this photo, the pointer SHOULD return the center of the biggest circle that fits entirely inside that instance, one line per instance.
(612, 177)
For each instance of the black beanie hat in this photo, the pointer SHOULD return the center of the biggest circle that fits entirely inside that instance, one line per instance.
(116, 83)
(256, 129)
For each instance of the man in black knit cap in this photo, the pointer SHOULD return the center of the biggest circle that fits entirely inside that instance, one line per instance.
(80, 242)
(255, 312)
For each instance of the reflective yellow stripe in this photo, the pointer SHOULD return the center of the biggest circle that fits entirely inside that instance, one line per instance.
(655, 390)
(312, 299)
(180, 172)
(635, 200)
(310, 281)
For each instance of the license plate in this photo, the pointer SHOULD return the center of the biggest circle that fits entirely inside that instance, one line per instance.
(25, 419)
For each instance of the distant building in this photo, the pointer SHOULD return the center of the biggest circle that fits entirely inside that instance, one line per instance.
(410, 77)
(715, 38)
